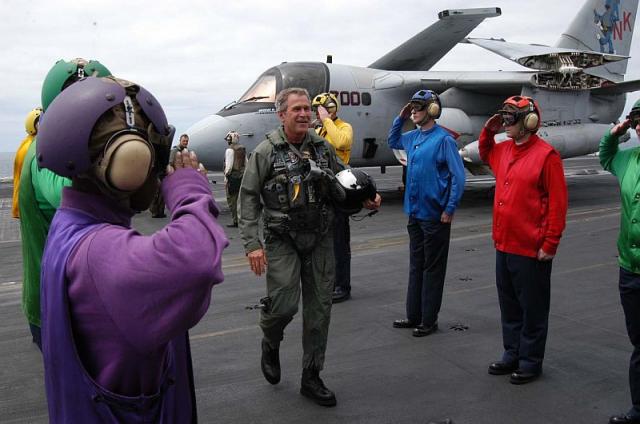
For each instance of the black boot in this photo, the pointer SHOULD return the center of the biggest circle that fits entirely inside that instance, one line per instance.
(270, 362)
(340, 295)
(312, 387)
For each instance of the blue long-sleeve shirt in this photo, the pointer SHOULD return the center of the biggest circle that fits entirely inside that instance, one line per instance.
(435, 174)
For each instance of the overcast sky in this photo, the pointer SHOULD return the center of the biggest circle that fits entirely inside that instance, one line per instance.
(197, 56)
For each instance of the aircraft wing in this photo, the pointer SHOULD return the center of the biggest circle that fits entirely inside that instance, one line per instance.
(423, 50)
(618, 88)
(508, 84)
(539, 57)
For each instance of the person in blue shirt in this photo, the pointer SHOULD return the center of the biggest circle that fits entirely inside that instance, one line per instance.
(435, 183)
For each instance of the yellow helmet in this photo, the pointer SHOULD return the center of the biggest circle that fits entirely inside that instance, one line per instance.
(32, 120)
(327, 100)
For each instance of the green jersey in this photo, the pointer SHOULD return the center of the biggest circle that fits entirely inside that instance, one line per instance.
(40, 194)
(625, 165)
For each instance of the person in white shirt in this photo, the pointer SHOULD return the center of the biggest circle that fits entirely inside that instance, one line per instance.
(235, 160)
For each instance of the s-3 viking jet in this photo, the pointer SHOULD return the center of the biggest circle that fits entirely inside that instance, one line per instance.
(579, 84)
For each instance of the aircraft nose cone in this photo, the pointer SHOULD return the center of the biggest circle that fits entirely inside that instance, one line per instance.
(206, 138)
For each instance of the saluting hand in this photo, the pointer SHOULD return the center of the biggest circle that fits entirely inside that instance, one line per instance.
(405, 113)
(494, 123)
(257, 261)
(322, 113)
(186, 159)
(621, 128)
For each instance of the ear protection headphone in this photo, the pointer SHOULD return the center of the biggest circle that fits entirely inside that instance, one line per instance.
(528, 109)
(126, 162)
(127, 158)
(531, 119)
(433, 109)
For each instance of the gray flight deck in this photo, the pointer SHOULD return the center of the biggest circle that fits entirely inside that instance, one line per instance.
(381, 374)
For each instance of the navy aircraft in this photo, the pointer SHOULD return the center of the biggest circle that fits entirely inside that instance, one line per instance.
(579, 84)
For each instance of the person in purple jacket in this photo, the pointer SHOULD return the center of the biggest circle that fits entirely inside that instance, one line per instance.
(117, 305)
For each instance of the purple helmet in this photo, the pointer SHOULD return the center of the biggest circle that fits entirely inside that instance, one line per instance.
(64, 133)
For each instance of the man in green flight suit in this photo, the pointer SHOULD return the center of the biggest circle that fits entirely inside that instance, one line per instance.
(289, 180)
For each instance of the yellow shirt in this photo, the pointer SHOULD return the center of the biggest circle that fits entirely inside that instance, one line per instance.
(17, 170)
(340, 135)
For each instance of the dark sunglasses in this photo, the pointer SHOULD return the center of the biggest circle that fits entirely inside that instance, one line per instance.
(509, 118)
(418, 107)
(328, 109)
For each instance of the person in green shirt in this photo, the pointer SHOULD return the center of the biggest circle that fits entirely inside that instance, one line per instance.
(40, 191)
(625, 165)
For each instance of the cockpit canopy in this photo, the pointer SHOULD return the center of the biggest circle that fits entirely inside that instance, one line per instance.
(313, 76)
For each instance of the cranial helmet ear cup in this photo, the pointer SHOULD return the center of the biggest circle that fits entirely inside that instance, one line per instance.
(530, 121)
(433, 110)
(126, 162)
(130, 165)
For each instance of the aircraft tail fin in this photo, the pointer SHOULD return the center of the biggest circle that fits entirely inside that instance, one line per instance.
(423, 50)
(604, 26)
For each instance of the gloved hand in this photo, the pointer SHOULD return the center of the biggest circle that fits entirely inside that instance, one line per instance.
(313, 172)
(161, 145)
(337, 192)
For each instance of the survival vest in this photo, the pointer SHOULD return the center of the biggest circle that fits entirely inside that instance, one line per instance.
(304, 202)
(239, 157)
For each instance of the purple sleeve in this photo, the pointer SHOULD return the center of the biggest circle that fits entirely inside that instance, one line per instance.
(156, 287)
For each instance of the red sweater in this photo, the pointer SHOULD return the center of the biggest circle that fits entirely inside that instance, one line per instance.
(530, 204)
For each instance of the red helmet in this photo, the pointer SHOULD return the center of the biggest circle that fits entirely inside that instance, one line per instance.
(526, 109)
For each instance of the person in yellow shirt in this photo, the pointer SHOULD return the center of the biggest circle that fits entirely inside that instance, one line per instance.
(31, 126)
(340, 135)
(336, 131)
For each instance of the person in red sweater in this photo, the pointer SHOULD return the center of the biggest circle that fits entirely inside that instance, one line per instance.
(529, 214)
